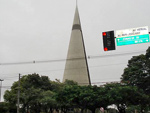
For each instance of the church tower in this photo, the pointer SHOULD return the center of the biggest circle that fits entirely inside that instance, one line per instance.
(76, 67)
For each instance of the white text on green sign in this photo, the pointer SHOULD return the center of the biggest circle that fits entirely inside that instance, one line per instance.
(132, 40)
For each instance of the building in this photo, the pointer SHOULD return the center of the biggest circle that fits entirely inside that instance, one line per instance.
(76, 67)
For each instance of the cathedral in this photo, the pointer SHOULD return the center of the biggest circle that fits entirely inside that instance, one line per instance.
(76, 67)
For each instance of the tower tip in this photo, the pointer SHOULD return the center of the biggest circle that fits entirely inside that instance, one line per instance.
(76, 3)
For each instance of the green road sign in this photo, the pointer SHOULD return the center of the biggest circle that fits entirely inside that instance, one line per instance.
(132, 40)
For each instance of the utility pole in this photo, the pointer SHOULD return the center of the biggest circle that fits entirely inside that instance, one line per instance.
(18, 96)
(0, 88)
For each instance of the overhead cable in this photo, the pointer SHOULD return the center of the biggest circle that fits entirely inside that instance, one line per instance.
(71, 59)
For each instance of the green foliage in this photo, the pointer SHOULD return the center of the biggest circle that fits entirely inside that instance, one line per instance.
(84, 97)
(35, 93)
(39, 94)
(7, 107)
(67, 95)
(132, 109)
(123, 94)
(35, 81)
(70, 82)
(138, 72)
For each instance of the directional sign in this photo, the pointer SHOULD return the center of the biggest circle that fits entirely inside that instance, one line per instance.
(132, 36)
(133, 40)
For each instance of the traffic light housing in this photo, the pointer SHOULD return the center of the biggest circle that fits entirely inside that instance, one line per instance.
(108, 40)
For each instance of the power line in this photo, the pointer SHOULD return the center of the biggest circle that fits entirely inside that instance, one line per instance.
(10, 77)
(118, 54)
(79, 58)
(43, 61)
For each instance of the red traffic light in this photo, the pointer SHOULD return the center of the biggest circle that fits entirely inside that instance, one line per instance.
(108, 40)
(104, 33)
(105, 49)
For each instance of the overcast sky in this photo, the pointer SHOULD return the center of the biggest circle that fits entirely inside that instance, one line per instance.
(39, 30)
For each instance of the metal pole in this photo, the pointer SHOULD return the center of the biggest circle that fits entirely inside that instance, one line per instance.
(18, 96)
(0, 88)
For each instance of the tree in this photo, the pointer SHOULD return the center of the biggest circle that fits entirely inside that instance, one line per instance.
(6, 107)
(123, 96)
(83, 97)
(138, 72)
(48, 102)
(35, 91)
(67, 96)
(36, 81)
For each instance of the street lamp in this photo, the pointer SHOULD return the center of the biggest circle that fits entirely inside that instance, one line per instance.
(0, 88)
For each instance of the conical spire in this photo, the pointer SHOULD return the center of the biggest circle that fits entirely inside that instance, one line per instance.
(76, 67)
(76, 17)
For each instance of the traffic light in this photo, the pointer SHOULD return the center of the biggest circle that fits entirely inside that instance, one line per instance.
(108, 40)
